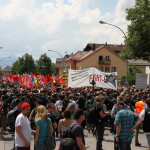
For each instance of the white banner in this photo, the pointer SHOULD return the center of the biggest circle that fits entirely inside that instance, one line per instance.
(141, 81)
(81, 78)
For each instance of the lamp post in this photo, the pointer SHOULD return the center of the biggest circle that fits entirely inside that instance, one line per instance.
(56, 52)
(4, 58)
(102, 22)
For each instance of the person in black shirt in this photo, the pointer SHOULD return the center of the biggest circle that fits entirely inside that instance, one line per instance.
(100, 121)
(3, 115)
(77, 131)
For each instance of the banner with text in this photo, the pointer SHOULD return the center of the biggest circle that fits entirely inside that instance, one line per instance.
(81, 78)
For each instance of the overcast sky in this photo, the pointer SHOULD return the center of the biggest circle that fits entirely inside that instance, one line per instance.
(66, 26)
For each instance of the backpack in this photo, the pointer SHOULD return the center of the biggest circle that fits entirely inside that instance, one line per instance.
(91, 115)
(67, 134)
(58, 112)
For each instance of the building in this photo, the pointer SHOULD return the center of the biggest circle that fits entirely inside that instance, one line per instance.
(143, 65)
(7, 71)
(60, 67)
(101, 56)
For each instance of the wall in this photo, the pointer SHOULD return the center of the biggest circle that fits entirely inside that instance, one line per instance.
(116, 61)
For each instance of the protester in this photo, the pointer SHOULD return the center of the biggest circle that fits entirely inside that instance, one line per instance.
(76, 130)
(145, 118)
(3, 114)
(115, 108)
(41, 133)
(37, 103)
(12, 115)
(51, 114)
(100, 125)
(124, 121)
(65, 123)
(23, 129)
(67, 144)
(71, 99)
(139, 106)
(71, 107)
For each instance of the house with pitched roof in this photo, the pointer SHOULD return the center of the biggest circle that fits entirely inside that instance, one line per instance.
(101, 56)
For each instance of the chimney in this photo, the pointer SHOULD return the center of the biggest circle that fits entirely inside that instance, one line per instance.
(106, 43)
(94, 47)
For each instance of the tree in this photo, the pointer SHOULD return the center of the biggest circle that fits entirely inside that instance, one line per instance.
(138, 37)
(44, 65)
(53, 68)
(132, 70)
(24, 64)
(1, 73)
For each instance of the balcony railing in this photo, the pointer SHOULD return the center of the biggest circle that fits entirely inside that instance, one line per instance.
(104, 62)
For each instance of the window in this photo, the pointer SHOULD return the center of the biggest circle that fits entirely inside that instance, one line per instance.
(107, 58)
(113, 69)
(100, 57)
(67, 68)
(107, 69)
(101, 69)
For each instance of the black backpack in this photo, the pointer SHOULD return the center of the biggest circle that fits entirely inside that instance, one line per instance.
(67, 134)
(91, 115)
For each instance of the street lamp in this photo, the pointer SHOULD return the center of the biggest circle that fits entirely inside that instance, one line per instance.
(4, 58)
(59, 55)
(102, 22)
(55, 52)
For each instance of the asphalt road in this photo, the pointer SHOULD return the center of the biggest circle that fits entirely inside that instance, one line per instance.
(7, 142)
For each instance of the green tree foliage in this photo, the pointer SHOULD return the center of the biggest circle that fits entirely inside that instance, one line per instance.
(24, 64)
(132, 70)
(44, 65)
(1, 73)
(53, 68)
(138, 37)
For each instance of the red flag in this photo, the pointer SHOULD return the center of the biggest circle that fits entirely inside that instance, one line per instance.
(27, 81)
(15, 78)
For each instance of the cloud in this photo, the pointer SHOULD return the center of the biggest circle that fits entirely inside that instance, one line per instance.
(34, 26)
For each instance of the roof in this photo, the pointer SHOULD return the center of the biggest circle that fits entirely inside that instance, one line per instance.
(7, 68)
(99, 48)
(78, 55)
(113, 47)
(60, 62)
(138, 62)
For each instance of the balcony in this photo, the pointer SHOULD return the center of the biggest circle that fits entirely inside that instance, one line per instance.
(104, 62)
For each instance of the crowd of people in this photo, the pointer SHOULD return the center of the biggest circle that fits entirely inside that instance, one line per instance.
(63, 113)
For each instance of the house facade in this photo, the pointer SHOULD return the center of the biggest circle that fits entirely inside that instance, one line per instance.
(102, 58)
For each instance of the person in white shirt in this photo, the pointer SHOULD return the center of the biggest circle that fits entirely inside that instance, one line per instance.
(23, 129)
